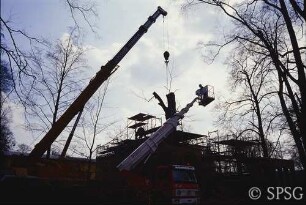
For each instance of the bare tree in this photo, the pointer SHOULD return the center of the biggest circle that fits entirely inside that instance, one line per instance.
(24, 148)
(273, 29)
(92, 126)
(14, 42)
(13, 39)
(253, 99)
(57, 82)
(83, 11)
(7, 140)
(17, 43)
(169, 110)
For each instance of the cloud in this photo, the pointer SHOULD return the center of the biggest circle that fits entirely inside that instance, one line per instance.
(143, 70)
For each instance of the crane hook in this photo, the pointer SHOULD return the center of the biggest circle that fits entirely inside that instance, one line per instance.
(166, 56)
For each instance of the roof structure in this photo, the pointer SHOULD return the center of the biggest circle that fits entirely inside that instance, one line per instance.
(141, 117)
(237, 143)
(138, 124)
(181, 136)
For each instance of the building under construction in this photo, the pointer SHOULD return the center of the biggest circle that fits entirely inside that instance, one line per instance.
(226, 166)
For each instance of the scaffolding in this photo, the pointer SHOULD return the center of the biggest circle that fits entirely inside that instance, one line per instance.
(226, 155)
(142, 125)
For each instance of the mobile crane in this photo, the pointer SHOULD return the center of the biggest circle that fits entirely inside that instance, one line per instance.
(184, 191)
(105, 72)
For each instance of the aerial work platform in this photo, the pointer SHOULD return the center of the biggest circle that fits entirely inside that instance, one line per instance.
(205, 94)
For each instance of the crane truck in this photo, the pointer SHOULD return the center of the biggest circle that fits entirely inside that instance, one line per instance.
(174, 183)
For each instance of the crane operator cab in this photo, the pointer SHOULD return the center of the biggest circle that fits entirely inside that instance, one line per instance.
(205, 94)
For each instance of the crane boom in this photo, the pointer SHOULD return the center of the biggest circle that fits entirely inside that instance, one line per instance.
(105, 72)
(150, 145)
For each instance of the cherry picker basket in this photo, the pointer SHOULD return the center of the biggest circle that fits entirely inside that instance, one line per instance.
(208, 96)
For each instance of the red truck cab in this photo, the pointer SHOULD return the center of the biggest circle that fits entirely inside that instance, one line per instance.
(176, 184)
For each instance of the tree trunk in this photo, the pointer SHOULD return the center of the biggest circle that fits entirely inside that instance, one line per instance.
(171, 109)
(300, 69)
(259, 118)
(294, 131)
(171, 105)
(71, 135)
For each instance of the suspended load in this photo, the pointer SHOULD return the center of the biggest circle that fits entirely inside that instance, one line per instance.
(166, 56)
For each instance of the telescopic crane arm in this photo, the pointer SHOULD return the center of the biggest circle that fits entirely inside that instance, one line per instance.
(150, 145)
(102, 75)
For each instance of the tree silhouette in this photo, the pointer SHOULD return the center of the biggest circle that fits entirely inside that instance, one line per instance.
(272, 30)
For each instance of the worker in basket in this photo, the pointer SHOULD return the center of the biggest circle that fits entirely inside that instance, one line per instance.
(202, 93)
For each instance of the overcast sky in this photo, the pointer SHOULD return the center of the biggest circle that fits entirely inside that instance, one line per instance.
(143, 70)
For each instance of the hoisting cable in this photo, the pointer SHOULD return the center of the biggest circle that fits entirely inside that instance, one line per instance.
(166, 56)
